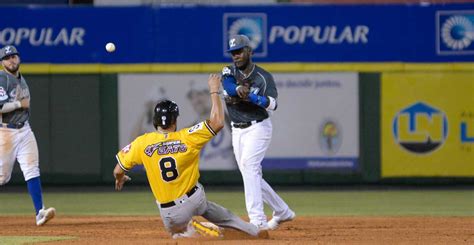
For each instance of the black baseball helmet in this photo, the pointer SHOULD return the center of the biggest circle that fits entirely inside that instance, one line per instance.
(166, 112)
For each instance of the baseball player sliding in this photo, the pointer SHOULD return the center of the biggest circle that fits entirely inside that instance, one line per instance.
(17, 141)
(171, 161)
(251, 96)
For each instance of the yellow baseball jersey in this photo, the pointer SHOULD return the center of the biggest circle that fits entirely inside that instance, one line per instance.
(171, 160)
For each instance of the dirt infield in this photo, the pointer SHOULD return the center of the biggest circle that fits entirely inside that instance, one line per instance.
(303, 230)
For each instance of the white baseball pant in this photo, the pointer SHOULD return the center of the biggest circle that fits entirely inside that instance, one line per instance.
(18, 144)
(250, 145)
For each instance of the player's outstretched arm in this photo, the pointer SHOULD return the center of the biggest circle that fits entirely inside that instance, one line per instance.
(233, 88)
(10, 106)
(25, 103)
(17, 104)
(120, 177)
(216, 119)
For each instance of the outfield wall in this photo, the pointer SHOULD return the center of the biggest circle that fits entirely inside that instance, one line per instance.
(369, 94)
(76, 119)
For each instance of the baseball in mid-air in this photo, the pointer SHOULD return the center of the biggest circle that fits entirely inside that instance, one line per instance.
(110, 47)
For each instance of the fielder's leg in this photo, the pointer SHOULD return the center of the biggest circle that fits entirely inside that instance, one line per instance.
(8, 150)
(281, 211)
(276, 203)
(257, 140)
(28, 158)
(251, 175)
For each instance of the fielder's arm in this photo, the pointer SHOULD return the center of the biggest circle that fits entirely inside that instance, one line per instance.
(266, 102)
(10, 106)
(230, 86)
(17, 104)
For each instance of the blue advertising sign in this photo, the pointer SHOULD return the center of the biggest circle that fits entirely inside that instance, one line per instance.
(79, 35)
(455, 32)
(278, 33)
(318, 33)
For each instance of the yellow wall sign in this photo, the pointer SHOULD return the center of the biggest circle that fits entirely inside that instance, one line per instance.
(427, 124)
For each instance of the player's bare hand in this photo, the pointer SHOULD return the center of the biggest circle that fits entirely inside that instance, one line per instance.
(214, 82)
(243, 91)
(18, 92)
(25, 103)
(120, 182)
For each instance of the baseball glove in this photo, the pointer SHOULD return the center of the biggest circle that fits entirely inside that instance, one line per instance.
(243, 88)
(244, 82)
(232, 100)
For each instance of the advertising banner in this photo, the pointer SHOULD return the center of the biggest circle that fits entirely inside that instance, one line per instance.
(427, 125)
(315, 125)
(78, 35)
(278, 33)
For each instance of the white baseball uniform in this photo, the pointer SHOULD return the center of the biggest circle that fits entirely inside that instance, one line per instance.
(17, 141)
(251, 137)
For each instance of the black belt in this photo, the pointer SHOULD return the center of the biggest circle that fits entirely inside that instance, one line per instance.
(245, 124)
(12, 125)
(172, 203)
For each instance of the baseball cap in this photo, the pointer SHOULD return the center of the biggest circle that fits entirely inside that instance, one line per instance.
(7, 51)
(237, 42)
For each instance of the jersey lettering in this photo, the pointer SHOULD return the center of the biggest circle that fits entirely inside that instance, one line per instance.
(13, 93)
(3, 94)
(165, 148)
(168, 169)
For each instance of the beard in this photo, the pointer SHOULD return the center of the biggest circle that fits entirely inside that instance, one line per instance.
(12, 69)
(241, 65)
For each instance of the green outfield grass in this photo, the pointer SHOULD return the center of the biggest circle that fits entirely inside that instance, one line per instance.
(307, 203)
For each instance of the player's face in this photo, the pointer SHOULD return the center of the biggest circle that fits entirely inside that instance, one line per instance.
(11, 63)
(241, 57)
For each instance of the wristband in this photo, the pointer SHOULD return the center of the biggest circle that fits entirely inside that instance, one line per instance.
(214, 93)
(261, 101)
(272, 104)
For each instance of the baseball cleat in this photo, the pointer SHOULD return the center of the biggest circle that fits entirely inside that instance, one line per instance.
(45, 215)
(207, 229)
(262, 226)
(275, 221)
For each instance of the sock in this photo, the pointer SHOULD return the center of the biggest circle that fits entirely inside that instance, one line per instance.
(34, 188)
